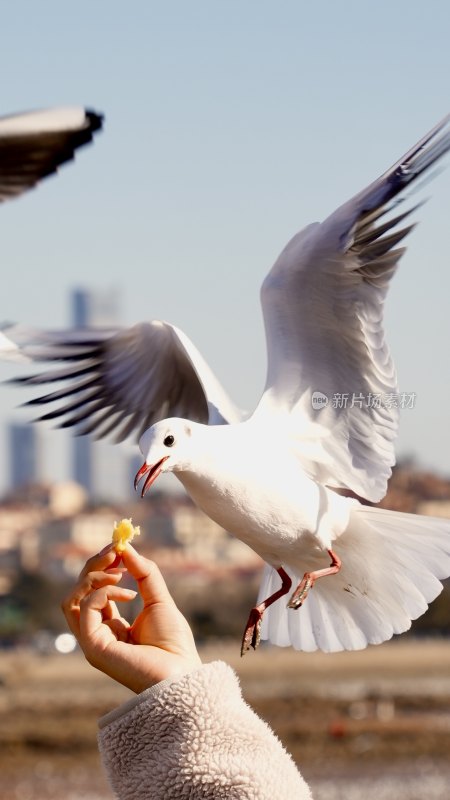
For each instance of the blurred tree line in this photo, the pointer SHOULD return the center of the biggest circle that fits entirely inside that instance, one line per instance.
(216, 609)
(33, 604)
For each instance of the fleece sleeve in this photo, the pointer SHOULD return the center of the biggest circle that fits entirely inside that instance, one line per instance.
(196, 738)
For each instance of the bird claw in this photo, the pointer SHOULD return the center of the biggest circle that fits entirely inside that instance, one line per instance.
(301, 593)
(252, 633)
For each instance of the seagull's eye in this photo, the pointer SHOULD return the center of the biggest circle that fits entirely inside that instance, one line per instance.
(169, 440)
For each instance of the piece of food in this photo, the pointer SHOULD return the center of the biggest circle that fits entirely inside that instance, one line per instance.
(123, 533)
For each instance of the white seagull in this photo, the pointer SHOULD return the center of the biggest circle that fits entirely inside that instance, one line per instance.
(272, 478)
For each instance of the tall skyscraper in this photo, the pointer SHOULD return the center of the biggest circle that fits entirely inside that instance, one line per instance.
(24, 454)
(91, 308)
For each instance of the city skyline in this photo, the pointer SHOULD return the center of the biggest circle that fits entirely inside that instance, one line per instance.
(104, 470)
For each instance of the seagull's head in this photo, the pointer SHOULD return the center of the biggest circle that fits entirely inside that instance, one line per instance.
(166, 447)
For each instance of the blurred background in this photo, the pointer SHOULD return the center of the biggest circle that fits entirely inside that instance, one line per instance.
(228, 127)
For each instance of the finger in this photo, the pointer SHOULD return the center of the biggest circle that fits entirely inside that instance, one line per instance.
(111, 611)
(120, 628)
(102, 560)
(73, 619)
(87, 584)
(152, 585)
(93, 606)
(116, 561)
(71, 604)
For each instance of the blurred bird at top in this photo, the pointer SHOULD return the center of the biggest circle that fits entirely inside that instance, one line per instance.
(35, 144)
(360, 574)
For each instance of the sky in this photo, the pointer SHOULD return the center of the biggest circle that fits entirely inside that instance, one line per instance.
(228, 127)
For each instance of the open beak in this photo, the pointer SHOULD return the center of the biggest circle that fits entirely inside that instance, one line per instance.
(151, 471)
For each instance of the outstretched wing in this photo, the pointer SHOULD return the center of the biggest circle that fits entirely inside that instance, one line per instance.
(120, 382)
(328, 363)
(33, 145)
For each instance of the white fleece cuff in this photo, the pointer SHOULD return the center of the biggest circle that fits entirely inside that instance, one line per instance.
(195, 737)
(147, 694)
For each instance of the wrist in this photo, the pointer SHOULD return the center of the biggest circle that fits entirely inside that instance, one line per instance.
(140, 667)
(167, 670)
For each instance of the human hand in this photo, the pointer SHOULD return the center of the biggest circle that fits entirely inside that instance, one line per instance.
(157, 645)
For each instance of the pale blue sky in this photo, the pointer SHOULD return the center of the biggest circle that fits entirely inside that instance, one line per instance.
(229, 126)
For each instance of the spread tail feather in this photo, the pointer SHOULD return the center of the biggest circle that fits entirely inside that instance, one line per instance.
(392, 567)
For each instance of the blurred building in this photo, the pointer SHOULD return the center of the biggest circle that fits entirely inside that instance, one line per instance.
(205, 542)
(24, 454)
(95, 307)
(19, 542)
(66, 542)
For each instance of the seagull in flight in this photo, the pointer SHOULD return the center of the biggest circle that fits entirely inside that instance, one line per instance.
(289, 478)
(35, 144)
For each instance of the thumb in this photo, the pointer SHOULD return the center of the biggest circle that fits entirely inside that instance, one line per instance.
(152, 586)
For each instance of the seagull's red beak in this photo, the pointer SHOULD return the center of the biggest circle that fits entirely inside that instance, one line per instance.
(151, 471)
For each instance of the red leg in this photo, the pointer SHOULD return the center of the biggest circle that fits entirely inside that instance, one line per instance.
(309, 579)
(252, 633)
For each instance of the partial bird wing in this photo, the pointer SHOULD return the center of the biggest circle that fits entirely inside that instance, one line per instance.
(120, 381)
(33, 145)
(329, 366)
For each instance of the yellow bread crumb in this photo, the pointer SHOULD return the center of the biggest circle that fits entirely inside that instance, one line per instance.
(123, 533)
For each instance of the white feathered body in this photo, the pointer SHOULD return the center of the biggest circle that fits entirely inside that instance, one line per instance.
(280, 512)
(392, 563)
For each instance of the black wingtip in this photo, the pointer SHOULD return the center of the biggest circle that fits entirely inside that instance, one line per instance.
(94, 119)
